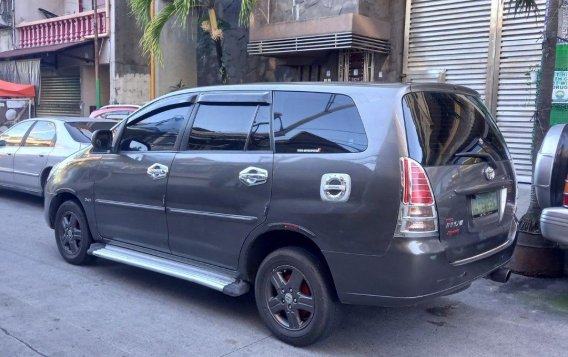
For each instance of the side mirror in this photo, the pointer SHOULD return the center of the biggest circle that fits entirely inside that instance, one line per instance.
(3, 143)
(102, 140)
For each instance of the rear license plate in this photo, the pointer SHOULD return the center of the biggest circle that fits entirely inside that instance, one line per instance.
(484, 204)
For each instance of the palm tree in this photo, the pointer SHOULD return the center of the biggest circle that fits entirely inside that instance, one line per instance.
(529, 258)
(181, 10)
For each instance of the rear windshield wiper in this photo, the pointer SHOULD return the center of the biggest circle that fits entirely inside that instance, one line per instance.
(486, 157)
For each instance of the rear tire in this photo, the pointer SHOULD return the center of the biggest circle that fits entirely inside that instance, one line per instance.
(72, 234)
(294, 297)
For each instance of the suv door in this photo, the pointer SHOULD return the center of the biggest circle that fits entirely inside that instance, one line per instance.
(130, 183)
(220, 184)
(13, 139)
(30, 160)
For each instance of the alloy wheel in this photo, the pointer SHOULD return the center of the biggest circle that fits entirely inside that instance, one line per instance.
(71, 235)
(289, 298)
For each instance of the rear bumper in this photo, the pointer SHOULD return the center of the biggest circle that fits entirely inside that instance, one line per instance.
(410, 272)
(554, 224)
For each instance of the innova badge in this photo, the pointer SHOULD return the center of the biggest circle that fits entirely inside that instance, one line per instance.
(489, 173)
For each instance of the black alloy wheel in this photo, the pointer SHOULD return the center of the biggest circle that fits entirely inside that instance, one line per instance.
(289, 298)
(294, 296)
(72, 234)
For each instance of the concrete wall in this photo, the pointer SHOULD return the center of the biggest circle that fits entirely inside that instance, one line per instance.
(129, 68)
(6, 40)
(178, 45)
(394, 11)
(88, 88)
(27, 10)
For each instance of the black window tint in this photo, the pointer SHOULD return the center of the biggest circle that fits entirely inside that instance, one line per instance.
(259, 138)
(83, 131)
(317, 123)
(221, 127)
(41, 135)
(158, 132)
(440, 125)
(14, 135)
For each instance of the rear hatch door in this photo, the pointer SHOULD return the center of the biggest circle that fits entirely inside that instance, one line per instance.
(470, 170)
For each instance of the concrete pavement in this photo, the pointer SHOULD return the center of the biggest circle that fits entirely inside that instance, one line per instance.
(51, 308)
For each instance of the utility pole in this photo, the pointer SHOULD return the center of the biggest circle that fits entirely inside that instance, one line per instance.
(96, 32)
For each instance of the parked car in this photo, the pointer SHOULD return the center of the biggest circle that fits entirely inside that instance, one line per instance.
(29, 149)
(551, 184)
(114, 112)
(314, 194)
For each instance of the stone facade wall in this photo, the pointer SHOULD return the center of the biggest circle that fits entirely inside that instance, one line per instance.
(300, 10)
(243, 68)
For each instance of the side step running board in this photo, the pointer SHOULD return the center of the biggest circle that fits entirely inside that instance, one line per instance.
(196, 274)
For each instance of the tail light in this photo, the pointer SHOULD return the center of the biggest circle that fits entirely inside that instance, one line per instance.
(565, 201)
(417, 207)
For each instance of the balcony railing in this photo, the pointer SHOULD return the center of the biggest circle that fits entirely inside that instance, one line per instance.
(62, 29)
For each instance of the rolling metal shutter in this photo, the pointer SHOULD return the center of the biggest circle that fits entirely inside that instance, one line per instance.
(521, 50)
(59, 96)
(450, 36)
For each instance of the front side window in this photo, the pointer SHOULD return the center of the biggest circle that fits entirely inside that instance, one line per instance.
(14, 135)
(156, 132)
(230, 127)
(41, 135)
(317, 123)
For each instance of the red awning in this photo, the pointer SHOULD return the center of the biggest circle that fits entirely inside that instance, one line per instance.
(13, 90)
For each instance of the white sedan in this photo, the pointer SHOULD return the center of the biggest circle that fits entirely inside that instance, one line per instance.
(30, 148)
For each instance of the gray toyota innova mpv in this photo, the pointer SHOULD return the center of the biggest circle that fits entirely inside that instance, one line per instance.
(310, 194)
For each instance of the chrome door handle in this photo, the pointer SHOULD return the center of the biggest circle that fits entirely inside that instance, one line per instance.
(157, 171)
(252, 176)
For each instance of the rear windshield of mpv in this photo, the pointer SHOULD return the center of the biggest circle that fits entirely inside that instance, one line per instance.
(440, 125)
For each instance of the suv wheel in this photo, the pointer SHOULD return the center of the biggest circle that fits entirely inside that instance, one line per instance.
(294, 298)
(72, 234)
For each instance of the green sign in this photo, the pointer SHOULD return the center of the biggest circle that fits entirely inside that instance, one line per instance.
(559, 110)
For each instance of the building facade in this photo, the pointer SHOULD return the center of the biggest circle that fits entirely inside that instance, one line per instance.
(53, 40)
(309, 40)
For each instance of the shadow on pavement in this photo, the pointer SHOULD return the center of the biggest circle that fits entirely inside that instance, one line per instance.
(21, 198)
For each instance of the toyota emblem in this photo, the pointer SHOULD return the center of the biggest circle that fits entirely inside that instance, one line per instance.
(489, 173)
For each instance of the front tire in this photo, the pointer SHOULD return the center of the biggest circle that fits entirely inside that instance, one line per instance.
(72, 234)
(294, 298)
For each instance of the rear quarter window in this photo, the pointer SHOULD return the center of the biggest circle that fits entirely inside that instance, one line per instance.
(439, 125)
(306, 122)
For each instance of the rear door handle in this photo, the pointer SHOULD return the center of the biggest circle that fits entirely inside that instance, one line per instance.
(253, 176)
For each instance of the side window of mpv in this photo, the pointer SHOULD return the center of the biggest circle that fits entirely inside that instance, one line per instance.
(317, 123)
(156, 132)
(230, 127)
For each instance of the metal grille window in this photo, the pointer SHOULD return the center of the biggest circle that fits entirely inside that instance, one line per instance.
(356, 66)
